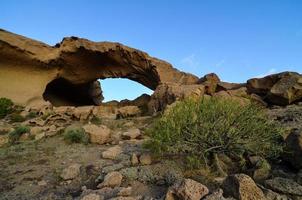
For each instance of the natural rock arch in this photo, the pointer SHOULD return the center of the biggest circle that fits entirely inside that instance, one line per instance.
(33, 68)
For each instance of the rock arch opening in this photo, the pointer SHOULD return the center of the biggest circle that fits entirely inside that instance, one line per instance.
(122, 89)
(61, 92)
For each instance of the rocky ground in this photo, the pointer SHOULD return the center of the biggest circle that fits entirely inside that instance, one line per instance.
(115, 165)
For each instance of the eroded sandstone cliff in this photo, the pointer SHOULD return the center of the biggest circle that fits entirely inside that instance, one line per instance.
(30, 69)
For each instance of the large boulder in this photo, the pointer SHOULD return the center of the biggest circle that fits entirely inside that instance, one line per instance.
(241, 186)
(210, 82)
(98, 134)
(166, 94)
(128, 111)
(284, 186)
(279, 89)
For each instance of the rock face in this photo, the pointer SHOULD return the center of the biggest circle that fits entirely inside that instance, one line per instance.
(56, 72)
(166, 94)
(280, 89)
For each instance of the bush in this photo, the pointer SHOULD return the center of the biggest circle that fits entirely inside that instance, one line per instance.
(6, 106)
(14, 136)
(31, 115)
(16, 118)
(76, 135)
(199, 130)
(96, 120)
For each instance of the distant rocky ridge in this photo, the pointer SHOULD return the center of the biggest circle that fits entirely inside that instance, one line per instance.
(67, 73)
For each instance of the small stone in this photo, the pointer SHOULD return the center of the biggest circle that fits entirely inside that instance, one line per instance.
(125, 191)
(3, 140)
(42, 183)
(112, 152)
(92, 197)
(71, 172)
(131, 134)
(145, 159)
(134, 159)
(112, 179)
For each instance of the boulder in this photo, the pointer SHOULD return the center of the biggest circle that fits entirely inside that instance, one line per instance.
(83, 112)
(284, 186)
(71, 172)
(241, 186)
(112, 152)
(128, 111)
(38, 105)
(112, 179)
(187, 189)
(132, 133)
(145, 159)
(97, 134)
(134, 159)
(92, 196)
(294, 146)
(167, 93)
(210, 82)
(64, 110)
(3, 140)
(278, 89)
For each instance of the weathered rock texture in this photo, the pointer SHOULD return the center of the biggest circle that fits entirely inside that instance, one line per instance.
(66, 73)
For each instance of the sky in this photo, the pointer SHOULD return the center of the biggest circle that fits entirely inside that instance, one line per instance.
(236, 39)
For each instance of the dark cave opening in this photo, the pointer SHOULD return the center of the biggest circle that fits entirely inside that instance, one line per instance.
(61, 92)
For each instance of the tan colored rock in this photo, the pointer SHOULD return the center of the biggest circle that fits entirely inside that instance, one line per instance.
(128, 111)
(64, 110)
(210, 82)
(145, 159)
(98, 134)
(187, 189)
(105, 111)
(166, 94)
(134, 159)
(71, 172)
(92, 197)
(124, 191)
(81, 63)
(3, 140)
(112, 152)
(83, 112)
(112, 179)
(132, 133)
(241, 186)
(38, 105)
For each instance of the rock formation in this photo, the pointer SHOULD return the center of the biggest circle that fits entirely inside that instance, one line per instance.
(66, 73)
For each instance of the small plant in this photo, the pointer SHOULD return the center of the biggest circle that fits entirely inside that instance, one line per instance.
(31, 115)
(6, 107)
(14, 136)
(96, 120)
(76, 135)
(200, 130)
(16, 118)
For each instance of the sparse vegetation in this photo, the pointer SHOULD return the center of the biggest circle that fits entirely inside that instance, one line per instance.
(76, 135)
(6, 107)
(199, 130)
(15, 117)
(16, 134)
(31, 115)
(96, 120)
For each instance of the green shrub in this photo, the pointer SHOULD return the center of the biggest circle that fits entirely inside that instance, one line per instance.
(14, 136)
(199, 130)
(16, 118)
(6, 106)
(76, 135)
(31, 115)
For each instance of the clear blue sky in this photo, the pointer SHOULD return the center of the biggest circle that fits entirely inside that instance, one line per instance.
(237, 39)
